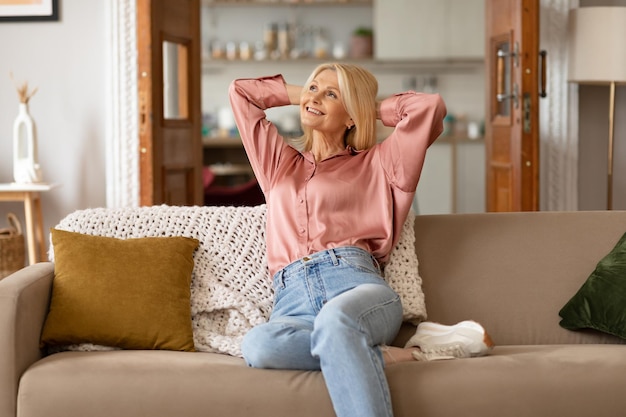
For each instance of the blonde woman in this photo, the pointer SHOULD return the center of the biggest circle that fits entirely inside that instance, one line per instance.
(336, 204)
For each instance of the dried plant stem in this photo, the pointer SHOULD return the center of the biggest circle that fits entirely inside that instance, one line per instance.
(22, 91)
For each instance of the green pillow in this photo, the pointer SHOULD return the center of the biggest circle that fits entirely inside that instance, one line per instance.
(600, 303)
(126, 293)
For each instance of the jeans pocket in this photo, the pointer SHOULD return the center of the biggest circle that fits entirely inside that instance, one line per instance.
(361, 263)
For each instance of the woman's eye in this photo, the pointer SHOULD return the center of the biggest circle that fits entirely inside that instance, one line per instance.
(331, 94)
(312, 88)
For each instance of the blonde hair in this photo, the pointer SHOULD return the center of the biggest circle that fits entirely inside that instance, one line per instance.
(358, 88)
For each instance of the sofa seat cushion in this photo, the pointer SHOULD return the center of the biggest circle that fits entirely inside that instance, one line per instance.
(126, 383)
(519, 381)
(551, 380)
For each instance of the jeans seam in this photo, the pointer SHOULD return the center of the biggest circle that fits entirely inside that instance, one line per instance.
(375, 308)
(372, 310)
(384, 385)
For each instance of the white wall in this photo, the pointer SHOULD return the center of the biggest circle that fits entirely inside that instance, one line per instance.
(65, 60)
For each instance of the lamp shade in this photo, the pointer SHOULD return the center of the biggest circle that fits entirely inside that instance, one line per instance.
(597, 45)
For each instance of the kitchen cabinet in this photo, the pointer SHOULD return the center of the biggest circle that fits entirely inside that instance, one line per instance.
(227, 159)
(429, 29)
(282, 30)
(453, 177)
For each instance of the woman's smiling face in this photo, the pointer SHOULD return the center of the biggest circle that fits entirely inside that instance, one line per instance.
(321, 105)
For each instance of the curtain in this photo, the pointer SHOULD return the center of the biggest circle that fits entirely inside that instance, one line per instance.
(557, 120)
(122, 158)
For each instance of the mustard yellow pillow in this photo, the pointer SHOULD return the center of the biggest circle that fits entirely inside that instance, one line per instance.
(126, 293)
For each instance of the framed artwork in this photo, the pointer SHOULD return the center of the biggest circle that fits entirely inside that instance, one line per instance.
(28, 10)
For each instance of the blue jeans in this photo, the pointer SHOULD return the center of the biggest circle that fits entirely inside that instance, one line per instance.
(332, 311)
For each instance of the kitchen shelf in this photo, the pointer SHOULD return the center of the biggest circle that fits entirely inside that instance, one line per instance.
(221, 142)
(210, 65)
(283, 3)
(228, 169)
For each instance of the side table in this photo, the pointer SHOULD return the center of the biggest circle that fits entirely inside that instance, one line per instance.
(29, 194)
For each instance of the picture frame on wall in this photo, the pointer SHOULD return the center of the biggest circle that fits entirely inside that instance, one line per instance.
(29, 10)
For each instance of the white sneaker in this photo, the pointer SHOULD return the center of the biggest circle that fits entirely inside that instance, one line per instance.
(437, 341)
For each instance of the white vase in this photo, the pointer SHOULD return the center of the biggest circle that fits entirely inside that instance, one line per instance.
(25, 164)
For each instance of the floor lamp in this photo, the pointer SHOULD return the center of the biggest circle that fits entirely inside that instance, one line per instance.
(597, 55)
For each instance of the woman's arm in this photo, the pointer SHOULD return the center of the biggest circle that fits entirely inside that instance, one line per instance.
(294, 92)
(418, 121)
(249, 99)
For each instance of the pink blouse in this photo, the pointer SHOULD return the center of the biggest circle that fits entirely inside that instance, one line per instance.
(355, 198)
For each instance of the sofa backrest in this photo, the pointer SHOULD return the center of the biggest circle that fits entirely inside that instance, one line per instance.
(513, 272)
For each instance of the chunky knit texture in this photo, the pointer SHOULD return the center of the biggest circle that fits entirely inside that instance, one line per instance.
(231, 290)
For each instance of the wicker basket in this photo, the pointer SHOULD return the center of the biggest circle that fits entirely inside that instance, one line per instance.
(11, 247)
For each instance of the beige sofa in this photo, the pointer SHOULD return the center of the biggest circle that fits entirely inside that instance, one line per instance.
(512, 272)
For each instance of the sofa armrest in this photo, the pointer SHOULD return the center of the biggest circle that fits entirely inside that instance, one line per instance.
(24, 303)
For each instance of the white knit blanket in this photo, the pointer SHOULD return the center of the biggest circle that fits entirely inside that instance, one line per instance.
(231, 290)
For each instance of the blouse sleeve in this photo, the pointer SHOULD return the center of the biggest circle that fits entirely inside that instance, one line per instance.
(418, 121)
(249, 98)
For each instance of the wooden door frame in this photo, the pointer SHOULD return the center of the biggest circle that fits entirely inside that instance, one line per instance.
(529, 170)
(167, 155)
(512, 170)
(148, 71)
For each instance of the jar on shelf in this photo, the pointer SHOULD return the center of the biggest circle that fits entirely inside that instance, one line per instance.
(270, 38)
(460, 125)
(448, 125)
(321, 45)
(303, 42)
(232, 51)
(284, 40)
(259, 51)
(217, 49)
(339, 50)
(473, 130)
(245, 51)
